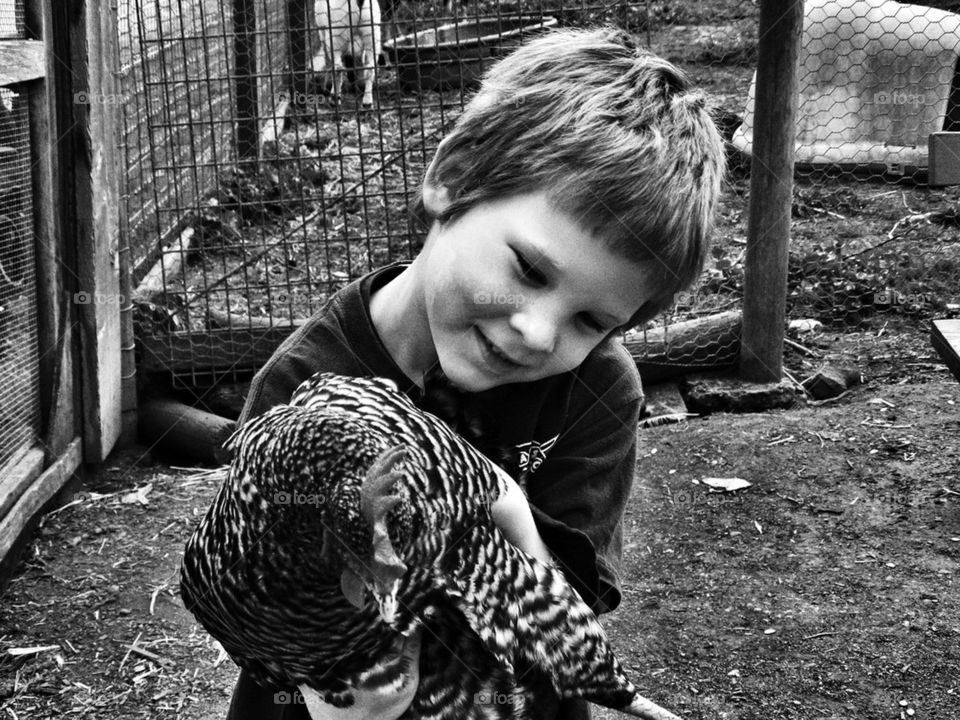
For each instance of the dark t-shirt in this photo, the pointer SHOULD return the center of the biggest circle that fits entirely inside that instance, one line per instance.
(570, 439)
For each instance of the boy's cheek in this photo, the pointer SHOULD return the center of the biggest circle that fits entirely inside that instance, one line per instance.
(574, 353)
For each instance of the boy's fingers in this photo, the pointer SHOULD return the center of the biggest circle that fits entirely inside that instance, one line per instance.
(412, 644)
(410, 658)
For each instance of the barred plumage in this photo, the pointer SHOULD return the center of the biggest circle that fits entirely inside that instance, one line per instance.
(349, 518)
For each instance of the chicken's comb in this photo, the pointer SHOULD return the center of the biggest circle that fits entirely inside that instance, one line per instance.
(377, 499)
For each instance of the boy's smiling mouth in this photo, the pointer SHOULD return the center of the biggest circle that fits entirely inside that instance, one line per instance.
(494, 356)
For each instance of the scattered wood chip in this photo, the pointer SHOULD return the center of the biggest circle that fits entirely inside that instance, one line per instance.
(138, 496)
(726, 484)
(801, 348)
(153, 596)
(221, 655)
(666, 419)
(33, 650)
(805, 325)
(144, 653)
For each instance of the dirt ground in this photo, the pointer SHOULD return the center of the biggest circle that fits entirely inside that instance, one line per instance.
(826, 589)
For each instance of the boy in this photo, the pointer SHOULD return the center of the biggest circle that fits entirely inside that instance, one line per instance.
(572, 200)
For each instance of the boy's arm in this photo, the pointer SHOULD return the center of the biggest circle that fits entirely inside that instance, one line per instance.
(578, 504)
(512, 514)
(579, 493)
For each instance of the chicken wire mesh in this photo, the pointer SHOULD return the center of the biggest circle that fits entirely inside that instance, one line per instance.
(873, 242)
(19, 362)
(257, 184)
(11, 19)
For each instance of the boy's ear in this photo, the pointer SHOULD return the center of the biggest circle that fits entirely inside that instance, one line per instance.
(436, 195)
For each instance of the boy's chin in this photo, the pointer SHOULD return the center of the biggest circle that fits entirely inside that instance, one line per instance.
(470, 380)
(467, 378)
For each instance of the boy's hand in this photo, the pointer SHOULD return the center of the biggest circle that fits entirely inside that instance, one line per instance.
(511, 513)
(373, 700)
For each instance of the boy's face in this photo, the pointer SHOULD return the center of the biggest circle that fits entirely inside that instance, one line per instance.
(516, 291)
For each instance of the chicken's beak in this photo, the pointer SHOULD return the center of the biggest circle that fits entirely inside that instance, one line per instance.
(386, 598)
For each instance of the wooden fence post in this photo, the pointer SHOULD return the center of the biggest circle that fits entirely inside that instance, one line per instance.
(245, 64)
(51, 107)
(771, 191)
(96, 166)
(298, 28)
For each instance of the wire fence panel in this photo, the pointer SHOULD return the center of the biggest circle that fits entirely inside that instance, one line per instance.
(264, 173)
(176, 67)
(19, 361)
(11, 20)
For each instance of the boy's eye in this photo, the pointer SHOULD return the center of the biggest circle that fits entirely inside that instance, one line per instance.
(592, 323)
(529, 271)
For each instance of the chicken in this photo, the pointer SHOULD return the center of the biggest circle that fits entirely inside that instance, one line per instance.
(348, 519)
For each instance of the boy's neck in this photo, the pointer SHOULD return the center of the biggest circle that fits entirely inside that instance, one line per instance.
(399, 316)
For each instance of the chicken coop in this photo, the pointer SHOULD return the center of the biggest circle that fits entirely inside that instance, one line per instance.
(255, 191)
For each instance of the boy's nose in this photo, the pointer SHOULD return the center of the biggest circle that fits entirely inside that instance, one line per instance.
(537, 328)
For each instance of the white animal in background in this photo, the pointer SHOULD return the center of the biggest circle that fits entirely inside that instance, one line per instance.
(348, 28)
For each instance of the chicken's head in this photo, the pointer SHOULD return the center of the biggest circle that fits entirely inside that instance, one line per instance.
(371, 561)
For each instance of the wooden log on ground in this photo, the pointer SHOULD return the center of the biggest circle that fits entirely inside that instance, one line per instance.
(226, 399)
(692, 346)
(177, 429)
(220, 319)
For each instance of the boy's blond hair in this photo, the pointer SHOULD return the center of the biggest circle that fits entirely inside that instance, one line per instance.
(615, 137)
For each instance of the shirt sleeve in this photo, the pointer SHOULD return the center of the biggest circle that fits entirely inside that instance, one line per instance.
(579, 493)
(299, 356)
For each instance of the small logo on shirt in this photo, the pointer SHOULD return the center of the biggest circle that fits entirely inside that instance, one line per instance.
(533, 453)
